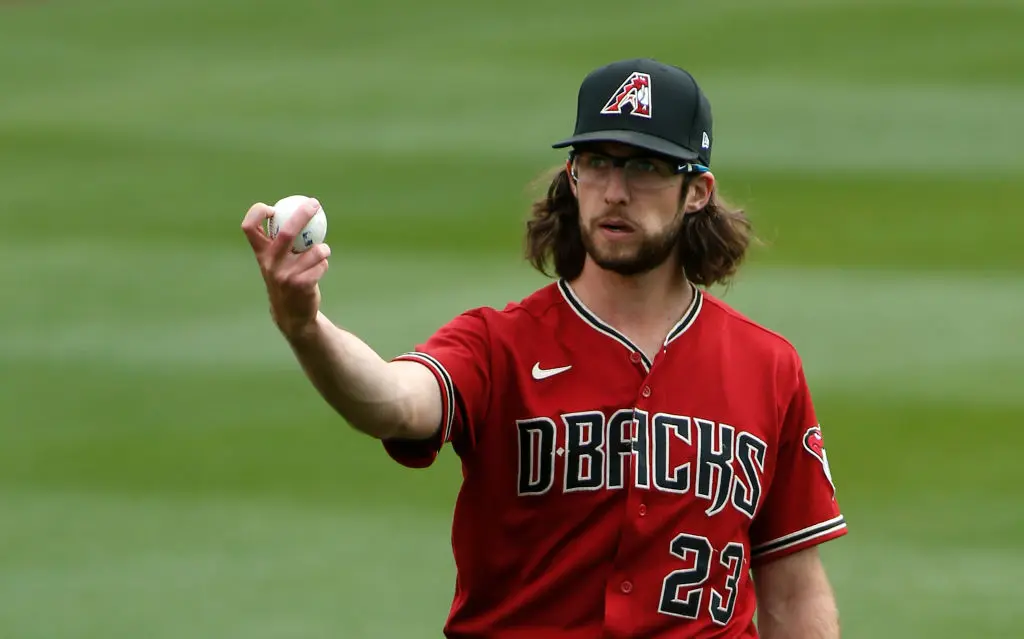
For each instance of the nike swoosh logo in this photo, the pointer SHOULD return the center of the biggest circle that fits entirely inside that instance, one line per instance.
(544, 373)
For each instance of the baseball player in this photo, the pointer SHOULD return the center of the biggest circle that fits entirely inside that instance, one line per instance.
(639, 459)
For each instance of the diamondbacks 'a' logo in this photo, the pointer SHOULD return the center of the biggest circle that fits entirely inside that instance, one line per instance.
(635, 93)
(814, 443)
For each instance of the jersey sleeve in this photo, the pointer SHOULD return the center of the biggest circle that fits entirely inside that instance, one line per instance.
(800, 509)
(458, 355)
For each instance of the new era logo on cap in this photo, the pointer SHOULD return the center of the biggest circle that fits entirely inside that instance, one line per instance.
(634, 93)
(705, 142)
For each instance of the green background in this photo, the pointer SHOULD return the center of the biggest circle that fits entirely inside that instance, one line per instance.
(167, 471)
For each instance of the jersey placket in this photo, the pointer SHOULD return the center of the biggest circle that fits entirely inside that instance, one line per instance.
(638, 518)
(620, 587)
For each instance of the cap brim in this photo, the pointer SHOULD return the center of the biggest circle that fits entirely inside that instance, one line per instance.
(634, 138)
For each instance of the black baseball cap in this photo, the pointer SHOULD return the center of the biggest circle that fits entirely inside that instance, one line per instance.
(645, 103)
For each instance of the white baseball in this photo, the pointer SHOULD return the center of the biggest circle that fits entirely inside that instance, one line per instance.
(312, 233)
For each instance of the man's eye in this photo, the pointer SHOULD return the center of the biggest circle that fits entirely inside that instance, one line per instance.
(645, 166)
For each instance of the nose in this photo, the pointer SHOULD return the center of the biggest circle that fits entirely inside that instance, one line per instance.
(616, 191)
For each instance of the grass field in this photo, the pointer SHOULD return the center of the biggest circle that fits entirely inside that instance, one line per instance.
(167, 472)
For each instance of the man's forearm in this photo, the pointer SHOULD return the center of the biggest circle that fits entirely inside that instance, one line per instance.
(369, 392)
(795, 599)
(809, 616)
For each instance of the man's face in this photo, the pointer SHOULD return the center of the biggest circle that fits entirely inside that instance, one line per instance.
(631, 217)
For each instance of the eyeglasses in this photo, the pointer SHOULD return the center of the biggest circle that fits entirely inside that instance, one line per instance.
(641, 173)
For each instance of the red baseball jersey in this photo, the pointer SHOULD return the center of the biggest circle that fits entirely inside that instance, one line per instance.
(606, 495)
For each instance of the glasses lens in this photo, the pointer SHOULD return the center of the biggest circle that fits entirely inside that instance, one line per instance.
(649, 174)
(640, 173)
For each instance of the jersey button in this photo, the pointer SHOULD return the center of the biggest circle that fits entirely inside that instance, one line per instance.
(626, 587)
(642, 510)
(635, 357)
(646, 391)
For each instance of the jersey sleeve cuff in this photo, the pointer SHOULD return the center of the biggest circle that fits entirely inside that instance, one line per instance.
(799, 540)
(420, 454)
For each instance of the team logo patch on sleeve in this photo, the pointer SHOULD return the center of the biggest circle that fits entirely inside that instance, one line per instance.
(814, 443)
(635, 93)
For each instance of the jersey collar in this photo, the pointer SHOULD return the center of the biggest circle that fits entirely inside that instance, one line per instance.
(595, 322)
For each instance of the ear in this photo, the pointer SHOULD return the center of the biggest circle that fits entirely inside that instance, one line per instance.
(699, 193)
(572, 182)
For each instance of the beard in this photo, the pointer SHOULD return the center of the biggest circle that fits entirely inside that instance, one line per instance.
(639, 253)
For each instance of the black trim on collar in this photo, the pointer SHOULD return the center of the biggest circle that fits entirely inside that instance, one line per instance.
(595, 322)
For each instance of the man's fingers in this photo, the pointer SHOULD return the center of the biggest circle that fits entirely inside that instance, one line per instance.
(312, 275)
(310, 266)
(252, 225)
(314, 255)
(292, 273)
(287, 233)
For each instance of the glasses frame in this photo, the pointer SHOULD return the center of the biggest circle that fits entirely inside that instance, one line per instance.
(678, 167)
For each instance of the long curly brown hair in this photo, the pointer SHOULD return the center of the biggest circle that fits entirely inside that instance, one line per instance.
(713, 242)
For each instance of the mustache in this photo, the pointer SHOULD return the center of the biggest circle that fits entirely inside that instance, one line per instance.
(614, 216)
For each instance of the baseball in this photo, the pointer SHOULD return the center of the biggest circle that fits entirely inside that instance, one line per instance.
(313, 233)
